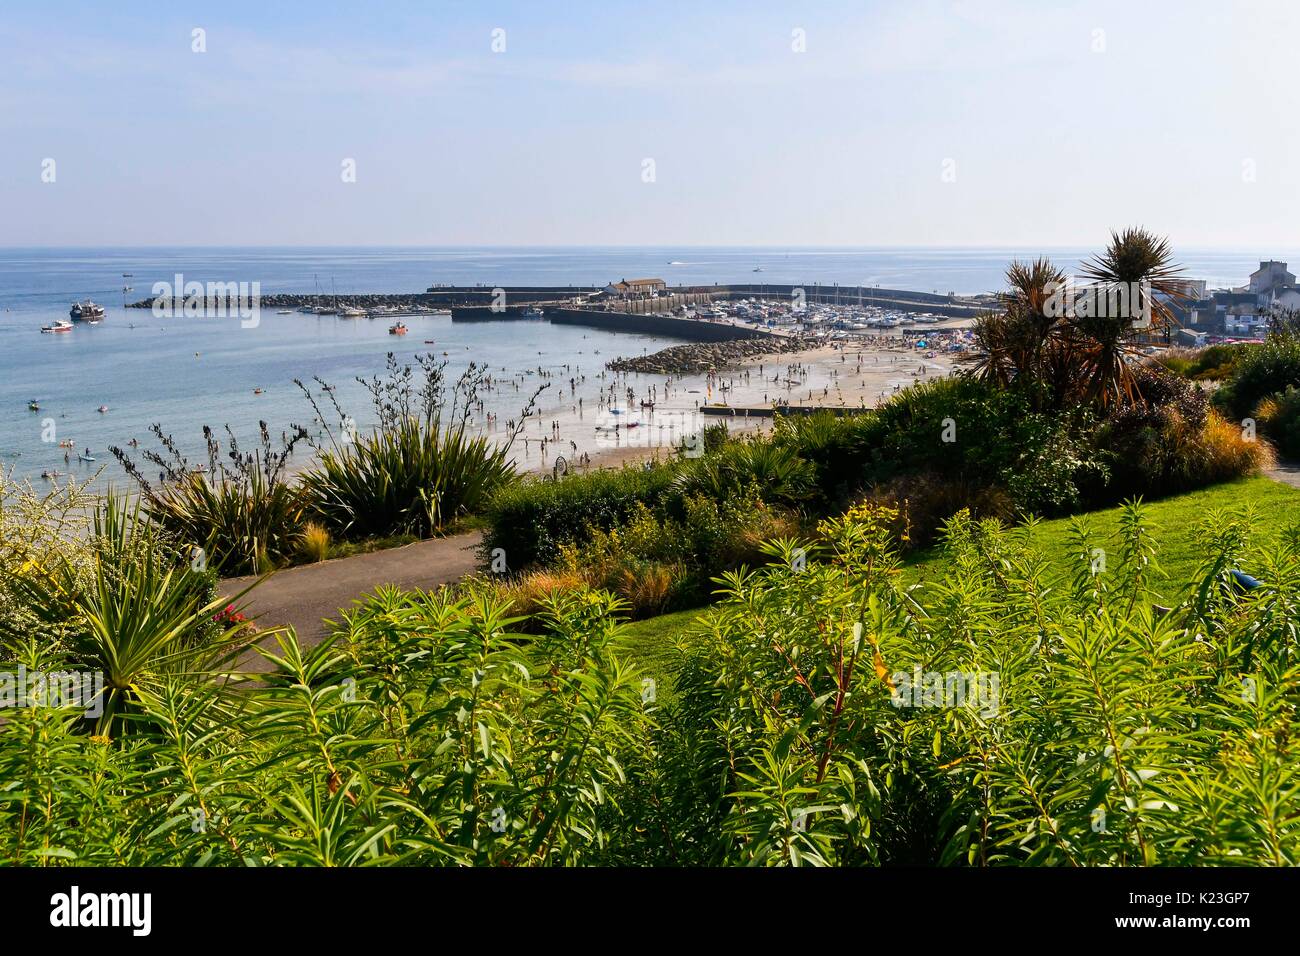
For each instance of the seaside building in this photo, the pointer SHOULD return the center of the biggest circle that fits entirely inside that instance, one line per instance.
(1270, 275)
(636, 288)
(1244, 310)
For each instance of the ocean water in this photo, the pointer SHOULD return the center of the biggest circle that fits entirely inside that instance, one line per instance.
(184, 373)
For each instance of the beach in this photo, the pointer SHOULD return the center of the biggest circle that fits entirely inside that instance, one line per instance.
(858, 374)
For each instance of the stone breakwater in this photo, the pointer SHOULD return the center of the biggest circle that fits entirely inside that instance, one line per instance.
(700, 357)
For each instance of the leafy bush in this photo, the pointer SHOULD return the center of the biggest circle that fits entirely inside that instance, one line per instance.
(1262, 370)
(1007, 713)
(139, 614)
(531, 520)
(1211, 362)
(1279, 418)
(1001, 716)
(775, 472)
(423, 733)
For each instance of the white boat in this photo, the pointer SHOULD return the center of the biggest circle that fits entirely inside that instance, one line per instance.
(60, 325)
(351, 312)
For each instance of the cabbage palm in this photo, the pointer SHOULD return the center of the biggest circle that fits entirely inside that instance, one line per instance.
(1135, 259)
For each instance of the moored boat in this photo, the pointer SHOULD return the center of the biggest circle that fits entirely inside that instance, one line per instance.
(86, 311)
(397, 329)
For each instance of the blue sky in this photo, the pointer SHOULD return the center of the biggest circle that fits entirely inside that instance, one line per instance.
(1055, 121)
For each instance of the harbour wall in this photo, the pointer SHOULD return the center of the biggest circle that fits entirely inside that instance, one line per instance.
(695, 330)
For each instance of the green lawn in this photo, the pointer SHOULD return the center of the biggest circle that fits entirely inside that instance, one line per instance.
(653, 644)
(1176, 520)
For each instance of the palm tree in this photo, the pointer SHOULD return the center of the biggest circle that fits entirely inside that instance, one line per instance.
(1137, 267)
(1018, 343)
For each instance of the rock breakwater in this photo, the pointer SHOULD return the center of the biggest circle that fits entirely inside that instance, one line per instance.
(700, 357)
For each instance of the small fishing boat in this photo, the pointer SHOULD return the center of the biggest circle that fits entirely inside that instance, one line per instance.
(102, 409)
(397, 329)
(86, 312)
(60, 325)
(257, 391)
(34, 405)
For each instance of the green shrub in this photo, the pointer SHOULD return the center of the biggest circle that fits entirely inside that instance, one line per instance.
(530, 521)
(1279, 419)
(243, 512)
(1262, 370)
(1211, 362)
(1008, 713)
(411, 478)
(776, 473)
(140, 613)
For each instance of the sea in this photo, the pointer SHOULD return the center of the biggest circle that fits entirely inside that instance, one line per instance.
(184, 373)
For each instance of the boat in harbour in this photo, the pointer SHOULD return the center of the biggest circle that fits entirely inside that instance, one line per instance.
(397, 329)
(86, 311)
(60, 325)
(351, 312)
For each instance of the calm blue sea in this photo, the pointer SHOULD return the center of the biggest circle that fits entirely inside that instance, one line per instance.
(185, 373)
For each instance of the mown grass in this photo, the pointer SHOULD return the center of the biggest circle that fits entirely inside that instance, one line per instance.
(1176, 520)
(654, 643)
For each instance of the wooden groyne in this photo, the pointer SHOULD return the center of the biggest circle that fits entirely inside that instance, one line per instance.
(770, 411)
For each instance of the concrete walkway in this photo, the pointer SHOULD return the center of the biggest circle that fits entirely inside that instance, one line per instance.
(1287, 472)
(304, 597)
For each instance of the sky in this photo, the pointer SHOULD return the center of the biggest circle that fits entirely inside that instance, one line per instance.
(915, 123)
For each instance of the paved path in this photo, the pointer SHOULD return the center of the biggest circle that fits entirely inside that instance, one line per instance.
(1287, 472)
(305, 596)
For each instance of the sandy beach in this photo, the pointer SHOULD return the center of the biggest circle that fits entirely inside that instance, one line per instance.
(619, 430)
